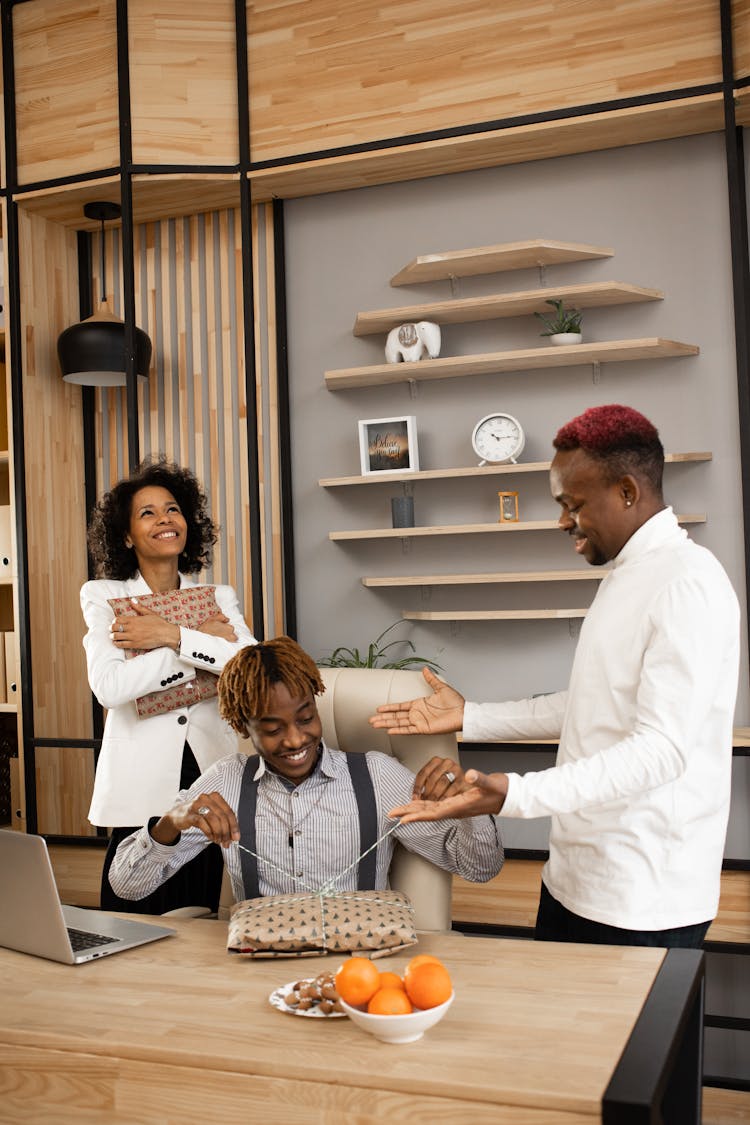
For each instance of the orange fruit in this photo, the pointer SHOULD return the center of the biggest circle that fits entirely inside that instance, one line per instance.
(428, 985)
(420, 959)
(391, 980)
(389, 1002)
(357, 979)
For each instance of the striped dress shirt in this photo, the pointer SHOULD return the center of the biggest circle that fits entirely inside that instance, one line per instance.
(308, 835)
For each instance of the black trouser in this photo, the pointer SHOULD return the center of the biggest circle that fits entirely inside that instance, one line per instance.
(555, 923)
(198, 883)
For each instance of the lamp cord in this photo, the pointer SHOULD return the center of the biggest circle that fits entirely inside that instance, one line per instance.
(102, 279)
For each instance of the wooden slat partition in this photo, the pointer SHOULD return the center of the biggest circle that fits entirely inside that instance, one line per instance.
(193, 407)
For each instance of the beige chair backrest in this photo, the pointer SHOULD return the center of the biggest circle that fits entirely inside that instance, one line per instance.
(351, 696)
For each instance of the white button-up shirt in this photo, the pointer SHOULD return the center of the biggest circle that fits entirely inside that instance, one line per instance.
(639, 797)
(308, 835)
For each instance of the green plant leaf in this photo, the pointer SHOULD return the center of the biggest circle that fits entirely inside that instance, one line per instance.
(377, 655)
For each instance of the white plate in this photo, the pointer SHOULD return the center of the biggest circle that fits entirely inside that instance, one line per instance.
(276, 1000)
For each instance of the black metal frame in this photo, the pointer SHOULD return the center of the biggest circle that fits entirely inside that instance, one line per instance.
(248, 307)
(13, 328)
(669, 1000)
(658, 1078)
(740, 251)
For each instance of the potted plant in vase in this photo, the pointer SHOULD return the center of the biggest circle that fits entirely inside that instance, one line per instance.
(377, 655)
(565, 326)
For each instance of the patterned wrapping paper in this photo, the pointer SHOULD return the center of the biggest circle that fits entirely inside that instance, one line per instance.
(190, 607)
(377, 923)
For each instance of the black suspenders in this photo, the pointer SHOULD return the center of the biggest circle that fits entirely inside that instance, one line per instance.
(364, 792)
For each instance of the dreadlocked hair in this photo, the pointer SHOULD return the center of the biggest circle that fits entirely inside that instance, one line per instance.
(246, 682)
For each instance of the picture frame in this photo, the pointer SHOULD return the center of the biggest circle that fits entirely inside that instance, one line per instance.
(388, 445)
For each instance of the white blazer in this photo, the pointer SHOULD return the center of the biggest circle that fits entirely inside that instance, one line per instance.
(138, 771)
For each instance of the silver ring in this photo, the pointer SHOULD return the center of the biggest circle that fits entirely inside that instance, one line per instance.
(120, 628)
(450, 775)
(204, 810)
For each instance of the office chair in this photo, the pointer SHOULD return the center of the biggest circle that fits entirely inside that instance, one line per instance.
(351, 696)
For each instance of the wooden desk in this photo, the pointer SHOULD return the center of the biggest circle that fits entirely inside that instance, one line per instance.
(179, 1031)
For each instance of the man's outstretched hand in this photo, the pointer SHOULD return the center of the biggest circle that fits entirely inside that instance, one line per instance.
(483, 793)
(439, 713)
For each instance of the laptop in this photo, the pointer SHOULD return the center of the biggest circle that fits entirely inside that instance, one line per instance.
(33, 920)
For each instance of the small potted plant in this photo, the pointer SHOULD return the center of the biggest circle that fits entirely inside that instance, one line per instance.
(377, 655)
(564, 327)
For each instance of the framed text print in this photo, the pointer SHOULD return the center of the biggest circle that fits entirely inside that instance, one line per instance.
(388, 445)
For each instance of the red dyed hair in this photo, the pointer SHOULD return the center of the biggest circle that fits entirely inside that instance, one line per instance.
(622, 439)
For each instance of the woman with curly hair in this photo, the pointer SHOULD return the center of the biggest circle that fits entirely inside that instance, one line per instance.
(150, 534)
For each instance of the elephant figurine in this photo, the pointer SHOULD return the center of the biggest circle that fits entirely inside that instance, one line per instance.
(410, 341)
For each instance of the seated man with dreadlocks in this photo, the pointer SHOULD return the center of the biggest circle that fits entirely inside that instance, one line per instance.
(303, 812)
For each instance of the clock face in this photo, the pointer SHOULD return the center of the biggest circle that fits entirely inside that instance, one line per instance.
(498, 438)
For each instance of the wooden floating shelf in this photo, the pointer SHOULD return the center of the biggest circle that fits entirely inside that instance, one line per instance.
(497, 305)
(495, 615)
(593, 574)
(496, 259)
(478, 471)
(499, 363)
(464, 529)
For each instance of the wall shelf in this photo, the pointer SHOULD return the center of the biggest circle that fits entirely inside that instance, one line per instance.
(467, 310)
(478, 471)
(592, 574)
(464, 529)
(495, 615)
(496, 259)
(499, 363)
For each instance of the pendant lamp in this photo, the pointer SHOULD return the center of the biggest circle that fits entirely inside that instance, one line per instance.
(92, 352)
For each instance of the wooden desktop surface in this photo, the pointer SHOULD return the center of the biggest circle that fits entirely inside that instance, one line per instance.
(180, 1031)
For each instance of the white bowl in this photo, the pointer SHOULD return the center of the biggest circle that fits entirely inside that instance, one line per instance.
(398, 1029)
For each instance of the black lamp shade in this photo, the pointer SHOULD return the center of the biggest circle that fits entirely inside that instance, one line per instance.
(92, 353)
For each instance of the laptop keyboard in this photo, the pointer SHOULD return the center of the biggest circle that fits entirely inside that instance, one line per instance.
(83, 939)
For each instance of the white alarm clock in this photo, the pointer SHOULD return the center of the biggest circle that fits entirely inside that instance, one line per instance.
(498, 438)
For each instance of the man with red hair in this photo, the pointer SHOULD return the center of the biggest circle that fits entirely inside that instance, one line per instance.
(639, 795)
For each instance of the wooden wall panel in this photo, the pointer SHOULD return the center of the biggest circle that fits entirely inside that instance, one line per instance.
(183, 81)
(324, 75)
(66, 87)
(64, 782)
(193, 407)
(53, 442)
(539, 141)
(741, 37)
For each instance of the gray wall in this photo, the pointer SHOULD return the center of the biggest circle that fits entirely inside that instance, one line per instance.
(663, 208)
